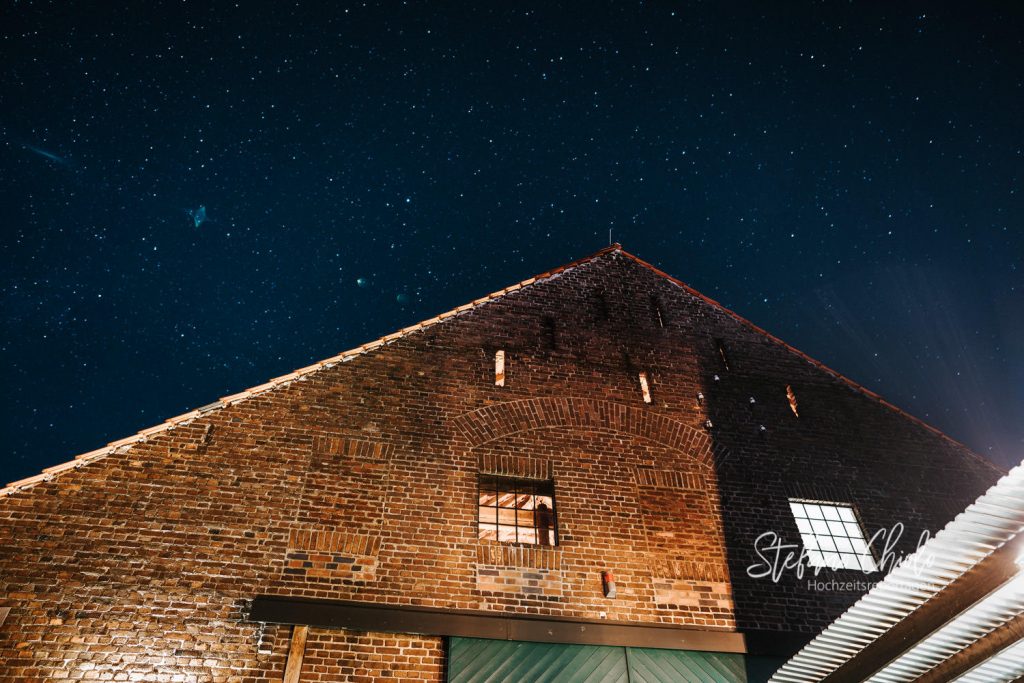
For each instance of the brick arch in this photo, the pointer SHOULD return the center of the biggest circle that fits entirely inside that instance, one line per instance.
(503, 419)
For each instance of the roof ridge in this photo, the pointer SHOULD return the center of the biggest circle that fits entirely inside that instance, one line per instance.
(816, 363)
(121, 445)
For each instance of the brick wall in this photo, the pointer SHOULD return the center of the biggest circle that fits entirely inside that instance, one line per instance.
(335, 655)
(359, 482)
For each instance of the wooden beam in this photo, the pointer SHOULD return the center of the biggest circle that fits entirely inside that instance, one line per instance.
(293, 669)
(365, 616)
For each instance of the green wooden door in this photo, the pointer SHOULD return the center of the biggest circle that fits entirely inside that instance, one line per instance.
(474, 660)
(647, 665)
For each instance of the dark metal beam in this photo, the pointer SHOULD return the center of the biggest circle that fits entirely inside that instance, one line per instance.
(359, 616)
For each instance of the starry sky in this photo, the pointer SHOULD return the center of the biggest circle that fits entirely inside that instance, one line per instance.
(196, 197)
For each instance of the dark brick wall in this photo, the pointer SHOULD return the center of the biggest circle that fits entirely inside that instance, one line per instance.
(358, 482)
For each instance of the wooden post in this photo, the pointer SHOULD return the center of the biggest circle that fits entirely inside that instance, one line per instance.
(293, 668)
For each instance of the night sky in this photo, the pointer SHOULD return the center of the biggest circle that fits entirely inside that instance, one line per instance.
(196, 198)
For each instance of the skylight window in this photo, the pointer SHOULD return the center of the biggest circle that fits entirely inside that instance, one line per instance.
(832, 535)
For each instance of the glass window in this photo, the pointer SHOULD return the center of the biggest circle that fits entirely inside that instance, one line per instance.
(514, 510)
(832, 536)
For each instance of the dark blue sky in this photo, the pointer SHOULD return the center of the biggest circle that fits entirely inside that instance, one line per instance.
(846, 175)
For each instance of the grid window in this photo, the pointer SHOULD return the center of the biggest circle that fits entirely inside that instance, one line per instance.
(832, 536)
(517, 510)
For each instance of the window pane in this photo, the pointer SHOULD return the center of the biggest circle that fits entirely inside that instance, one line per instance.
(488, 515)
(843, 544)
(524, 500)
(826, 543)
(813, 511)
(798, 510)
(850, 562)
(527, 535)
(836, 528)
(507, 499)
(507, 534)
(803, 525)
(854, 530)
(867, 563)
(506, 516)
(488, 498)
(820, 526)
(830, 512)
(489, 532)
(846, 514)
(525, 518)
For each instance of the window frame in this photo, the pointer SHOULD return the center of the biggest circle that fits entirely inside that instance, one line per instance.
(539, 487)
(864, 538)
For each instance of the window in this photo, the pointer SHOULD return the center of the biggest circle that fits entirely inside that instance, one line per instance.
(550, 332)
(791, 397)
(517, 510)
(723, 355)
(645, 388)
(602, 306)
(659, 312)
(832, 535)
(499, 368)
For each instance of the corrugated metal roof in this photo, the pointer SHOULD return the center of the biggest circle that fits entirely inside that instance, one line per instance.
(987, 525)
(982, 618)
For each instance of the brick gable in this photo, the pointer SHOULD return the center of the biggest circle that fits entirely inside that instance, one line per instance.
(357, 481)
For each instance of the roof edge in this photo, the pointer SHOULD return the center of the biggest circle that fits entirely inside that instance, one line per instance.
(300, 374)
(816, 363)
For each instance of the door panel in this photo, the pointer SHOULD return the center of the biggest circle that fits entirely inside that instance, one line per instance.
(475, 660)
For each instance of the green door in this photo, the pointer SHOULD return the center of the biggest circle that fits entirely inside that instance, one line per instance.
(474, 660)
(648, 665)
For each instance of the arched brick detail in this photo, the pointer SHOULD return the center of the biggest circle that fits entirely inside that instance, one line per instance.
(500, 420)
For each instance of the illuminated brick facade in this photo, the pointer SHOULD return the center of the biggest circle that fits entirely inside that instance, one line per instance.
(357, 481)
